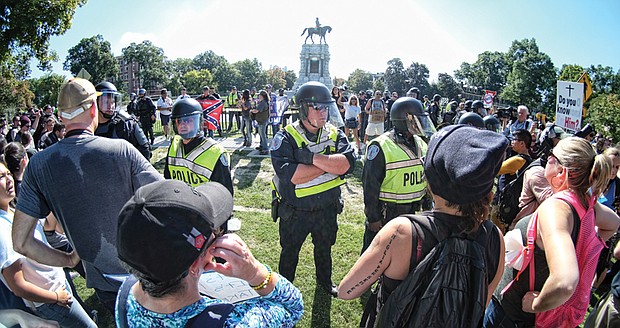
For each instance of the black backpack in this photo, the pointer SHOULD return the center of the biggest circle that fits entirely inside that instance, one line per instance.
(448, 288)
(508, 197)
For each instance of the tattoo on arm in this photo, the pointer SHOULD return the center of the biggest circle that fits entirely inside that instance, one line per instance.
(377, 268)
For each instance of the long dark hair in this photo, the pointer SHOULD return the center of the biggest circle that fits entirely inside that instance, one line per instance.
(246, 95)
(14, 153)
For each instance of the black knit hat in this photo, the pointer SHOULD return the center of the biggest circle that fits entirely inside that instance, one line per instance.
(164, 227)
(461, 162)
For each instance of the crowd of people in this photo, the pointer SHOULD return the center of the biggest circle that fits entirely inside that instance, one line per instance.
(433, 225)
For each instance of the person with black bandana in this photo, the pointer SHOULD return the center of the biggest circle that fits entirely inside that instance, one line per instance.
(310, 158)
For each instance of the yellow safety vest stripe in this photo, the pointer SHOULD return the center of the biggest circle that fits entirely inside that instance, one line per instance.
(325, 181)
(197, 166)
(404, 180)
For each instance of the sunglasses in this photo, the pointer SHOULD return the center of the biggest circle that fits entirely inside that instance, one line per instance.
(551, 154)
(320, 108)
(185, 120)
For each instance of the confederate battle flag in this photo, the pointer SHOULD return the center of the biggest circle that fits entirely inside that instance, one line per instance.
(211, 110)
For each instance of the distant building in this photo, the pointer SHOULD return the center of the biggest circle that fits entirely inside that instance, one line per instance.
(129, 74)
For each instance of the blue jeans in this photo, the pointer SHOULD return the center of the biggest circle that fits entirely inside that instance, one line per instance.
(246, 129)
(495, 317)
(262, 131)
(66, 317)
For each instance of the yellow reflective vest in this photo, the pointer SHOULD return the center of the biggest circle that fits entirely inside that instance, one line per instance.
(404, 180)
(195, 167)
(325, 181)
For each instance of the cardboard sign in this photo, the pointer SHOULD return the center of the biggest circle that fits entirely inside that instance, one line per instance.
(569, 105)
(229, 289)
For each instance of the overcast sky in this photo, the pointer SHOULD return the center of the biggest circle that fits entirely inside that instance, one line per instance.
(366, 34)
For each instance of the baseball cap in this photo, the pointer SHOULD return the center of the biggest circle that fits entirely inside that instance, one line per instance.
(206, 87)
(75, 96)
(462, 162)
(165, 226)
(234, 87)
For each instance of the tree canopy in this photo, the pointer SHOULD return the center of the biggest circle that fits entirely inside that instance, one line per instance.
(94, 54)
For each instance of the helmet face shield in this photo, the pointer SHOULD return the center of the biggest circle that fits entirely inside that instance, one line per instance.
(319, 113)
(420, 125)
(109, 103)
(187, 126)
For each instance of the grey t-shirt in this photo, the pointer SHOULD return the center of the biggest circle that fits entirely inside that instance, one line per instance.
(85, 181)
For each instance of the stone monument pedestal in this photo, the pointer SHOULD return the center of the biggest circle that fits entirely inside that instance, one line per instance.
(314, 65)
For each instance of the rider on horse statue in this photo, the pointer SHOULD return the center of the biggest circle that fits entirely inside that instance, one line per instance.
(317, 29)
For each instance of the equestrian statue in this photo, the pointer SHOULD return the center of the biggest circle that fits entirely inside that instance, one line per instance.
(318, 29)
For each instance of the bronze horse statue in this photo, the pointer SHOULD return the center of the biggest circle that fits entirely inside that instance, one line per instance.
(320, 31)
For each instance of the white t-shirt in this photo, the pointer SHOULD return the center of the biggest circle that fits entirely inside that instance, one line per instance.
(165, 105)
(351, 111)
(43, 276)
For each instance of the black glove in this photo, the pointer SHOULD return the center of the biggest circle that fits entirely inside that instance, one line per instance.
(304, 156)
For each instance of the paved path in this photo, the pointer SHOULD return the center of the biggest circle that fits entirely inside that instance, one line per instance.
(230, 143)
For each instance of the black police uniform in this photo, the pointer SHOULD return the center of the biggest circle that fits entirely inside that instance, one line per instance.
(123, 126)
(433, 112)
(314, 214)
(145, 109)
(132, 107)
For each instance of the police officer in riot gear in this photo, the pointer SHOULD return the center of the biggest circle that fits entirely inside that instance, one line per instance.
(449, 115)
(116, 123)
(434, 109)
(462, 112)
(491, 123)
(146, 114)
(477, 106)
(413, 93)
(131, 106)
(393, 176)
(310, 158)
(468, 104)
(472, 119)
(193, 158)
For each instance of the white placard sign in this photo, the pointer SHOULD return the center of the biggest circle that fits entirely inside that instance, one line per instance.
(569, 105)
(228, 289)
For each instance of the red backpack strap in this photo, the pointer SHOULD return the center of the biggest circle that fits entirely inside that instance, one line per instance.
(528, 253)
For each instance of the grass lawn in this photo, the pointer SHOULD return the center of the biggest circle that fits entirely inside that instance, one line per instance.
(251, 177)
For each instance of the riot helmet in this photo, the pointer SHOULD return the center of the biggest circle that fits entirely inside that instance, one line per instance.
(133, 96)
(413, 93)
(453, 106)
(407, 114)
(109, 102)
(472, 119)
(476, 104)
(491, 123)
(141, 92)
(187, 118)
(468, 104)
(436, 97)
(316, 95)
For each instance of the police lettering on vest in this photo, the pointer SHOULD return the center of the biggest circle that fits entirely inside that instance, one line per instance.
(404, 180)
(195, 167)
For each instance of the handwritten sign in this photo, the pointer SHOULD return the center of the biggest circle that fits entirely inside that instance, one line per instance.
(569, 104)
(229, 289)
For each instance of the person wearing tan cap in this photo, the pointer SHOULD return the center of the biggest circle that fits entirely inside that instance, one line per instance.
(84, 180)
